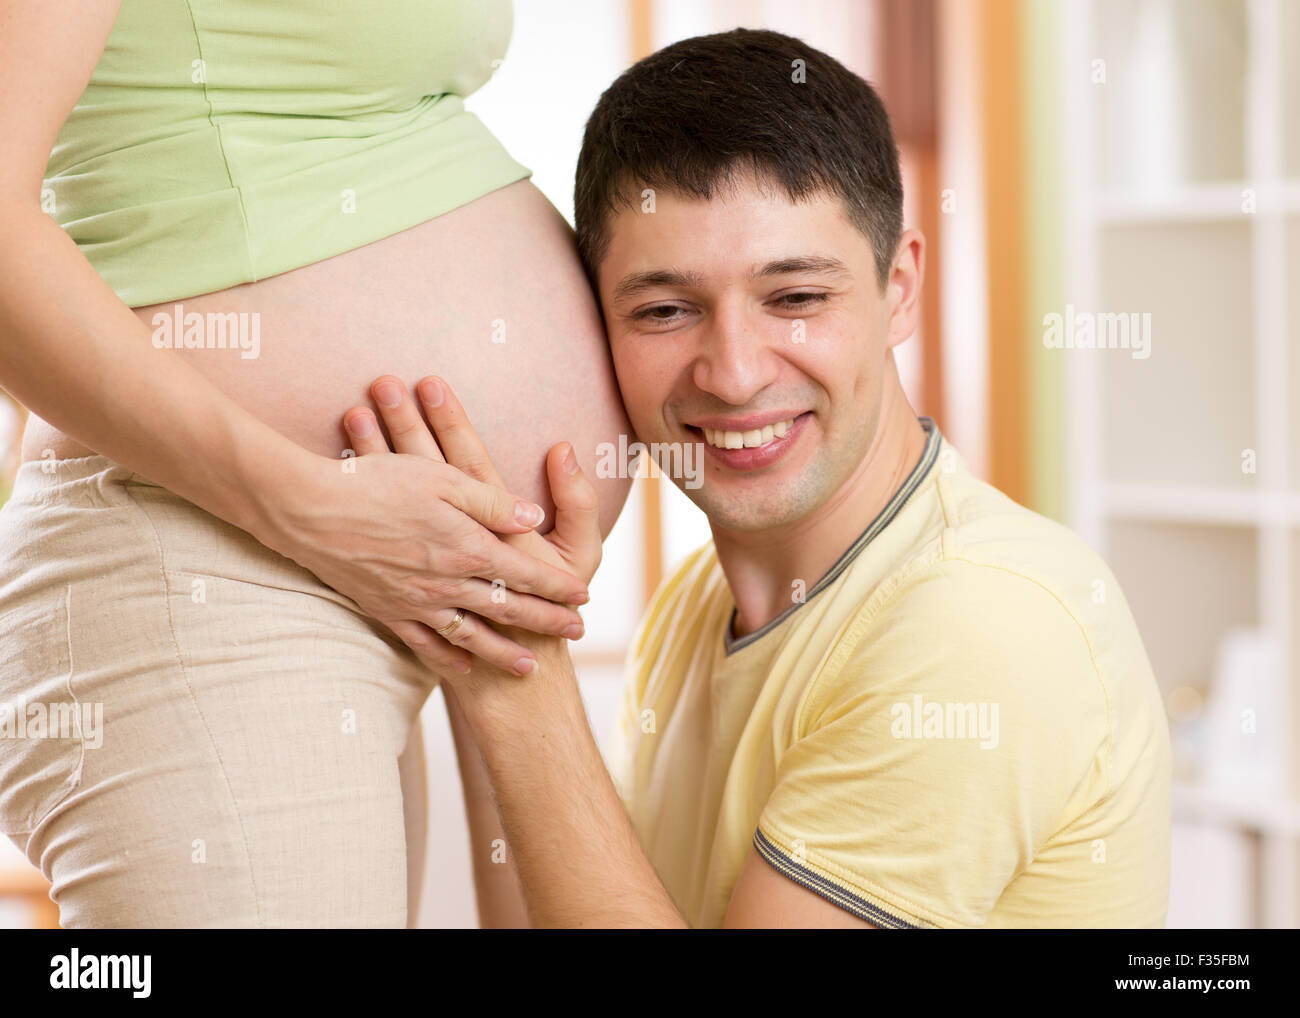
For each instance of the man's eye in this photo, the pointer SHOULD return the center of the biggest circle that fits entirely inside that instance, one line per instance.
(802, 300)
(658, 313)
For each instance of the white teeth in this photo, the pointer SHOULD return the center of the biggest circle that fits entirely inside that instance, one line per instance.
(751, 439)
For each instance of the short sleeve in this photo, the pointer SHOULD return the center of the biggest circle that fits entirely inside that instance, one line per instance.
(929, 767)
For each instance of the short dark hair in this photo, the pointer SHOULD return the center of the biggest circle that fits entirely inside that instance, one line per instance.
(691, 116)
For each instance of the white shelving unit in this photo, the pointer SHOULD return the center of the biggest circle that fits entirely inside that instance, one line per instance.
(1183, 154)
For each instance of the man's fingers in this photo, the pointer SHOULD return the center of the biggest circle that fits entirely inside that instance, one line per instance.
(363, 432)
(457, 437)
(406, 426)
(577, 510)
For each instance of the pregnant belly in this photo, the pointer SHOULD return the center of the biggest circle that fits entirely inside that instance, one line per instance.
(490, 296)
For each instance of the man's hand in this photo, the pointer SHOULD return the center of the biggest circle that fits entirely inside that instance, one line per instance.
(573, 545)
(573, 847)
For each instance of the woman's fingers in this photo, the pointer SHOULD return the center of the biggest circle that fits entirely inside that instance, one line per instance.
(513, 588)
(471, 635)
(497, 602)
(455, 435)
(406, 427)
(496, 562)
(444, 655)
(521, 572)
(481, 640)
(490, 506)
(436, 653)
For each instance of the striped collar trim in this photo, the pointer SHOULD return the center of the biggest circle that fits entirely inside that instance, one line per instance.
(885, 517)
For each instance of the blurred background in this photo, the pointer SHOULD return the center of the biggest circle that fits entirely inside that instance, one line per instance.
(1131, 167)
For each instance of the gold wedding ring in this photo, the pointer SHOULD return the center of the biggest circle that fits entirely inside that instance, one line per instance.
(451, 626)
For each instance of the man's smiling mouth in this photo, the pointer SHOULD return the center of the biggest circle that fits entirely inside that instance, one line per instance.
(751, 439)
(750, 433)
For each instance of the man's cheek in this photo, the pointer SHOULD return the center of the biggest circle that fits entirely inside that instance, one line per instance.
(643, 402)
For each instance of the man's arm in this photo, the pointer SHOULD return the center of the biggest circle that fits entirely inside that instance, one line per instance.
(577, 855)
(578, 859)
(499, 897)
(766, 899)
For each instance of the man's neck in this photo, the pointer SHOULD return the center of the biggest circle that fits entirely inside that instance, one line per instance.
(766, 568)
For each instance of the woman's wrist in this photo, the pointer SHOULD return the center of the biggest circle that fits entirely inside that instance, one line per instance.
(279, 489)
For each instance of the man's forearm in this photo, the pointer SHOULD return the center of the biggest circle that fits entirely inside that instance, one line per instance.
(496, 882)
(577, 855)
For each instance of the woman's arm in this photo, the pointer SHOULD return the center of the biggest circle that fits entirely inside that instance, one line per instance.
(72, 352)
(395, 537)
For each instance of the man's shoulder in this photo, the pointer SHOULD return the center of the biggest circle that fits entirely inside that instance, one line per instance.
(998, 604)
(991, 543)
(980, 614)
(997, 594)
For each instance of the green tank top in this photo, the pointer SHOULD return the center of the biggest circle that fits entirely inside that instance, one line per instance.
(223, 141)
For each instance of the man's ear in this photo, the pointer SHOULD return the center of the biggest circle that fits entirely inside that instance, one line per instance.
(903, 293)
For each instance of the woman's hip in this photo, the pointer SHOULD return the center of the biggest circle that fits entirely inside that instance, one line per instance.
(165, 676)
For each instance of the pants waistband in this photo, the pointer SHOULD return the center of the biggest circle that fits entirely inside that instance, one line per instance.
(50, 473)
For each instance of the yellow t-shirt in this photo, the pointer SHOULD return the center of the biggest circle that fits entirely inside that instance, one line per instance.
(957, 726)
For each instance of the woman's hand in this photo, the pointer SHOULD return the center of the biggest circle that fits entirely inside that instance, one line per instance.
(410, 539)
(573, 545)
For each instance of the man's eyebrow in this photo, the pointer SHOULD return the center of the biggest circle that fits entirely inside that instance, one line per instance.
(803, 263)
(638, 282)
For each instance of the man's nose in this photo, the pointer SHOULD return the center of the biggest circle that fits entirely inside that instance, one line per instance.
(735, 361)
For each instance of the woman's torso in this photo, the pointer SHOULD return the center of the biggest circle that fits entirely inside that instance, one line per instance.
(489, 295)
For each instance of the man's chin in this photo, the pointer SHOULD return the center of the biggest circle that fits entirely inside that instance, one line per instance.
(748, 512)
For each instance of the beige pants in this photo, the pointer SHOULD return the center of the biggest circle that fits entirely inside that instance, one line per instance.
(194, 730)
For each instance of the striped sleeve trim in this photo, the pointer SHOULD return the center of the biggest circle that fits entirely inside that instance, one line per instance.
(827, 888)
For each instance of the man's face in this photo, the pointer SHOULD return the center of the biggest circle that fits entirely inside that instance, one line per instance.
(755, 326)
